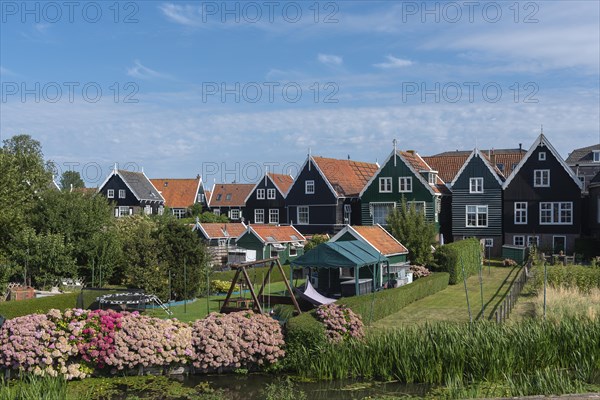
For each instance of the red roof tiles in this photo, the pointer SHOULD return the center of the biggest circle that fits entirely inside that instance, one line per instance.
(279, 233)
(178, 193)
(381, 239)
(347, 177)
(283, 182)
(216, 230)
(230, 194)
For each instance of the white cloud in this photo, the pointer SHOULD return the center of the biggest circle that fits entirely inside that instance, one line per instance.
(183, 15)
(139, 71)
(6, 72)
(393, 62)
(330, 59)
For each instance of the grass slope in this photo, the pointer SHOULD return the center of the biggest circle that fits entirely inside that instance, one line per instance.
(450, 304)
(12, 309)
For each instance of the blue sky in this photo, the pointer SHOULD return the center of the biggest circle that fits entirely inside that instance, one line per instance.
(345, 80)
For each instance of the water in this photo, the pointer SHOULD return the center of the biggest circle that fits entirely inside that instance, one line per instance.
(249, 387)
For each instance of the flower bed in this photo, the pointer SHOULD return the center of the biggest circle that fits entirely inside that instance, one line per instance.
(78, 343)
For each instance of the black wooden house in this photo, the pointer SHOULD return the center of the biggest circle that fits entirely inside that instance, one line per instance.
(266, 202)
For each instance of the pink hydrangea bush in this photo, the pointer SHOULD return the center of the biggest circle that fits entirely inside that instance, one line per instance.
(43, 345)
(150, 342)
(419, 271)
(97, 338)
(237, 340)
(341, 323)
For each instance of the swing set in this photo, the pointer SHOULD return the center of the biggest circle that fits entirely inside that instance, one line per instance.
(242, 303)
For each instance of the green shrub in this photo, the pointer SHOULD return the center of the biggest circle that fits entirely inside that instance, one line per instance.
(256, 274)
(304, 337)
(218, 286)
(572, 276)
(451, 257)
(12, 309)
(376, 306)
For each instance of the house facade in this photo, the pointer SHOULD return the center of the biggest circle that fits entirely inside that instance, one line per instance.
(180, 194)
(325, 195)
(477, 202)
(219, 238)
(230, 199)
(404, 174)
(585, 162)
(593, 207)
(266, 202)
(270, 241)
(542, 202)
(131, 193)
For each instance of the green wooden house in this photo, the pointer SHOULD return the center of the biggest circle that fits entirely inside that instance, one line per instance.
(270, 241)
(406, 175)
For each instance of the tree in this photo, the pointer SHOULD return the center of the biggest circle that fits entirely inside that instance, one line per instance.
(185, 259)
(71, 179)
(411, 229)
(314, 241)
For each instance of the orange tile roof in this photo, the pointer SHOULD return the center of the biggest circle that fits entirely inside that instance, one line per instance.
(281, 233)
(419, 165)
(347, 177)
(231, 194)
(282, 181)
(216, 230)
(507, 157)
(379, 238)
(447, 166)
(178, 193)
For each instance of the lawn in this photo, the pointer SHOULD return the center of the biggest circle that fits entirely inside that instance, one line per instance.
(450, 304)
(199, 308)
(12, 309)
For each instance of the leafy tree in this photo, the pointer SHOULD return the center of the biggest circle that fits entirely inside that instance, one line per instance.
(314, 241)
(195, 210)
(184, 258)
(71, 179)
(44, 258)
(411, 229)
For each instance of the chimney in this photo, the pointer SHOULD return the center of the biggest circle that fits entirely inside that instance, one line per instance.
(493, 158)
(410, 151)
(520, 148)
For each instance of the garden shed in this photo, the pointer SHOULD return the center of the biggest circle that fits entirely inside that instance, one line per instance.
(344, 268)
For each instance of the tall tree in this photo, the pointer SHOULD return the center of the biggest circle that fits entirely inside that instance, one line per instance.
(410, 227)
(71, 180)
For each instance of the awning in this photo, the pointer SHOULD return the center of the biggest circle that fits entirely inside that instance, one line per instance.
(343, 254)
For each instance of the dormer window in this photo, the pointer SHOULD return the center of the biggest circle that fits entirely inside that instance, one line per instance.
(500, 167)
(596, 156)
(228, 196)
(432, 178)
(219, 197)
(542, 156)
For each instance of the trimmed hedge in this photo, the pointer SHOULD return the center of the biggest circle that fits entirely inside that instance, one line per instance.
(13, 309)
(571, 276)
(305, 335)
(450, 257)
(259, 271)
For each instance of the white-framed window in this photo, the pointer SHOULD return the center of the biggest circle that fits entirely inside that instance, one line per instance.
(477, 216)
(260, 194)
(556, 213)
(259, 216)
(271, 194)
(519, 240)
(596, 155)
(582, 179)
(200, 198)
(234, 214)
(385, 185)
(309, 187)
(161, 209)
(274, 216)
(542, 156)
(476, 185)
(178, 212)
(380, 212)
(303, 215)
(228, 196)
(347, 213)
(110, 193)
(541, 178)
(274, 253)
(293, 251)
(533, 241)
(405, 184)
(217, 211)
(124, 210)
(520, 213)
(432, 178)
(148, 210)
(418, 205)
(121, 193)
(489, 242)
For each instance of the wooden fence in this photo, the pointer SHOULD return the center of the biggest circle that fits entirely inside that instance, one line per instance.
(503, 310)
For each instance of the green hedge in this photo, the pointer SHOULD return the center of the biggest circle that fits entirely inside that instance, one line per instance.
(305, 335)
(255, 274)
(450, 258)
(12, 309)
(374, 307)
(571, 276)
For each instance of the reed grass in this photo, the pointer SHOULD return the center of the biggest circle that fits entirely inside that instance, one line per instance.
(563, 302)
(32, 387)
(448, 354)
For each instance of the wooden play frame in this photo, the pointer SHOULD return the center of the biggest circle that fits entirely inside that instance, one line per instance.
(241, 269)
